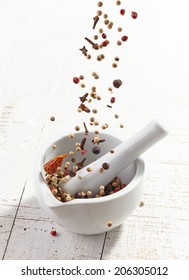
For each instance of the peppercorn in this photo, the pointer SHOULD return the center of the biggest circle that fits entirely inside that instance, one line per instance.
(134, 15)
(99, 4)
(94, 111)
(118, 3)
(76, 80)
(114, 65)
(52, 119)
(72, 173)
(77, 128)
(96, 123)
(99, 13)
(109, 223)
(100, 30)
(54, 146)
(117, 83)
(119, 43)
(122, 12)
(119, 29)
(96, 150)
(124, 38)
(121, 125)
(105, 166)
(89, 169)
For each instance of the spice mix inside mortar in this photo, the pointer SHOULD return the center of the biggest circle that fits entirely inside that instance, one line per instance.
(86, 212)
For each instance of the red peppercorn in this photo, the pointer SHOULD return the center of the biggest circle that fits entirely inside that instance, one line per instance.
(116, 189)
(134, 15)
(104, 44)
(112, 100)
(122, 12)
(104, 36)
(76, 80)
(53, 232)
(124, 38)
(66, 172)
(123, 186)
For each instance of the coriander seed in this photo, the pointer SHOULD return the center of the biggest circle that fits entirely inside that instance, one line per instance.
(77, 128)
(54, 146)
(92, 119)
(94, 111)
(121, 125)
(89, 169)
(99, 4)
(71, 136)
(99, 13)
(119, 29)
(109, 223)
(118, 3)
(100, 30)
(82, 85)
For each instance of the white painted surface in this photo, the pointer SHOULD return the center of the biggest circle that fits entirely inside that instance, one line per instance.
(38, 58)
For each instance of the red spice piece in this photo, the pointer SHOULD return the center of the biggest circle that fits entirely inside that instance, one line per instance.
(122, 12)
(112, 100)
(104, 35)
(134, 15)
(76, 80)
(123, 186)
(124, 38)
(66, 172)
(116, 189)
(83, 152)
(51, 166)
(53, 232)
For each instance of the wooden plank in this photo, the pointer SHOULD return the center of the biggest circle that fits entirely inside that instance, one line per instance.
(37, 242)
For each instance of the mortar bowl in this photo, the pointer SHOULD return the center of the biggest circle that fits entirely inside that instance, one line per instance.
(92, 215)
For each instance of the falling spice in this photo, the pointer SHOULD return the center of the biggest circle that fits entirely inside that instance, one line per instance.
(134, 15)
(94, 45)
(51, 166)
(84, 51)
(96, 19)
(84, 97)
(85, 127)
(53, 232)
(117, 83)
(52, 119)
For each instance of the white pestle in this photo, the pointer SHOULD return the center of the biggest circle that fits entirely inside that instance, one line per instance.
(123, 155)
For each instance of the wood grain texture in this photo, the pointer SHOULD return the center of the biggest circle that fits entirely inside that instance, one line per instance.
(39, 55)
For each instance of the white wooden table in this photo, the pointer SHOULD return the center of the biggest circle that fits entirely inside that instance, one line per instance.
(39, 42)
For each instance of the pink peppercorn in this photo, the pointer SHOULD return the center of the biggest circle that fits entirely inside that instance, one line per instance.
(122, 12)
(53, 232)
(83, 152)
(112, 100)
(104, 36)
(76, 80)
(124, 38)
(123, 186)
(134, 15)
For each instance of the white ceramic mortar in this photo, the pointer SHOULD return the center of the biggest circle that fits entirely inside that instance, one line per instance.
(89, 216)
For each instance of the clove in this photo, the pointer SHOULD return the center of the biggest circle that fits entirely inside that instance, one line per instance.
(96, 19)
(95, 46)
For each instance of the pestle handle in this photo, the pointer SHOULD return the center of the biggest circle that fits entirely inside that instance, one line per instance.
(123, 155)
